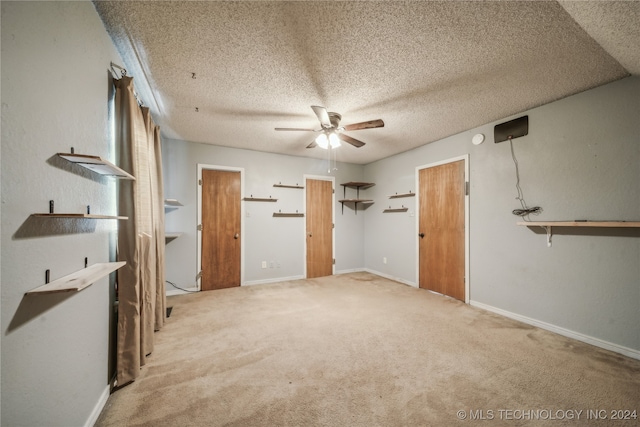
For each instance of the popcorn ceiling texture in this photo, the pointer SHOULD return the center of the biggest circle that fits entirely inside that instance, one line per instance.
(428, 69)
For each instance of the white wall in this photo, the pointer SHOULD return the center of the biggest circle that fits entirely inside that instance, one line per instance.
(266, 238)
(55, 91)
(581, 160)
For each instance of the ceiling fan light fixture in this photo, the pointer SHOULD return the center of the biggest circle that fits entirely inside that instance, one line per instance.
(322, 141)
(334, 141)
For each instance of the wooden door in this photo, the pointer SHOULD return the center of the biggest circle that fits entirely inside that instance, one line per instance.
(319, 228)
(442, 229)
(220, 229)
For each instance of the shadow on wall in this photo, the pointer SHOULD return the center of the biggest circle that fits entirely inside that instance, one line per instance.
(35, 226)
(33, 306)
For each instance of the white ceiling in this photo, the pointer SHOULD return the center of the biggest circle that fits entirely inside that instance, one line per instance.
(428, 69)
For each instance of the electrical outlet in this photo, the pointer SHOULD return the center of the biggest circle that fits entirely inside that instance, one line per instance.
(264, 264)
(384, 260)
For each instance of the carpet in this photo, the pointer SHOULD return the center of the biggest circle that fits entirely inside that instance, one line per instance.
(361, 350)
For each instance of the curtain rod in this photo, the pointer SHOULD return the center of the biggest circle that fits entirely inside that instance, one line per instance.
(123, 73)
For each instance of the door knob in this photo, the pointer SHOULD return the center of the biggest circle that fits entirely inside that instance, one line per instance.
(236, 236)
(421, 235)
(310, 235)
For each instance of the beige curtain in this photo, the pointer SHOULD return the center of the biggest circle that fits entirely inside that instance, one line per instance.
(141, 290)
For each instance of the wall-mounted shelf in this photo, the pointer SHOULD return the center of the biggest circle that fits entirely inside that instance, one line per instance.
(397, 196)
(288, 214)
(259, 199)
(96, 164)
(170, 237)
(613, 224)
(357, 185)
(172, 203)
(280, 185)
(548, 225)
(402, 209)
(78, 280)
(78, 215)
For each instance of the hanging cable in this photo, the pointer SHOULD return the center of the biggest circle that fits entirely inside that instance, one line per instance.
(525, 211)
(177, 287)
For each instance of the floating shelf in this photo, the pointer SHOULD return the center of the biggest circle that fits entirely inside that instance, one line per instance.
(289, 186)
(402, 209)
(96, 164)
(358, 185)
(259, 199)
(613, 224)
(548, 225)
(170, 237)
(288, 214)
(79, 280)
(172, 203)
(79, 215)
(398, 196)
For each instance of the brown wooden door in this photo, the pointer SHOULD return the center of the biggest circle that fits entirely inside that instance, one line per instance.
(319, 228)
(441, 229)
(220, 229)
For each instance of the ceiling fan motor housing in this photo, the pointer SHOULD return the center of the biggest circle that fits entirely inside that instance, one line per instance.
(334, 118)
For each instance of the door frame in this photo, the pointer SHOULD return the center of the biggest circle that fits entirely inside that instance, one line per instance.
(202, 166)
(333, 218)
(465, 158)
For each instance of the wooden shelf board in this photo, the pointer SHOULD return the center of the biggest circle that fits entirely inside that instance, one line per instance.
(616, 224)
(259, 199)
(96, 164)
(78, 215)
(172, 203)
(288, 186)
(355, 184)
(356, 200)
(397, 196)
(287, 214)
(78, 280)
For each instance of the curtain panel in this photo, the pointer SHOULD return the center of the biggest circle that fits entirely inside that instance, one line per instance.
(141, 241)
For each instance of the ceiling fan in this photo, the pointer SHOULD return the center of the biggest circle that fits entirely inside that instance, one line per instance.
(332, 131)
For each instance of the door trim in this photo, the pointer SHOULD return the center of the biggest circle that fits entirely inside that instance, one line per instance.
(333, 218)
(465, 158)
(202, 166)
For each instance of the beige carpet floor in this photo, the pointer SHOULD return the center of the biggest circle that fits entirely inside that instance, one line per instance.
(361, 350)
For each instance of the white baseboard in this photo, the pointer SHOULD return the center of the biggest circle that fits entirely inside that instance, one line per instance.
(275, 280)
(387, 276)
(93, 417)
(629, 352)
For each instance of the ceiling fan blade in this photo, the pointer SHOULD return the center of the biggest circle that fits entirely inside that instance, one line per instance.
(312, 145)
(296, 129)
(323, 116)
(349, 140)
(365, 125)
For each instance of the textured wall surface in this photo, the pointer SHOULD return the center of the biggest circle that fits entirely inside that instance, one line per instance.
(580, 160)
(55, 95)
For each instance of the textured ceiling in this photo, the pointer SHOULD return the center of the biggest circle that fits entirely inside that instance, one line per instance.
(428, 69)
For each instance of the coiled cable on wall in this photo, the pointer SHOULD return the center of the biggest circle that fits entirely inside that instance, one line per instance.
(525, 211)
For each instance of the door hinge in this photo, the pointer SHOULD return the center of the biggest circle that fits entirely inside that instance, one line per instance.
(200, 227)
(466, 188)
(199, 182)
(199, 275)
(333, 191)
(334, 261)
(333, 226)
